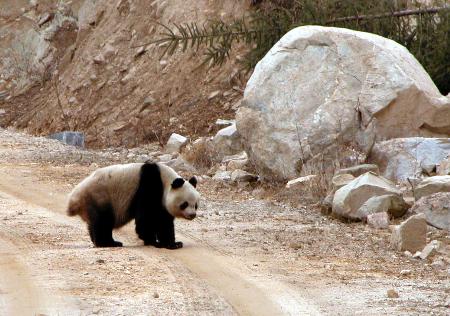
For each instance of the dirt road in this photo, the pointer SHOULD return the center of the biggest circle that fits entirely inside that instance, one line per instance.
(242, 256)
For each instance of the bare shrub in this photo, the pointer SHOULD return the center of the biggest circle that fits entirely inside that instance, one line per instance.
(201, 155)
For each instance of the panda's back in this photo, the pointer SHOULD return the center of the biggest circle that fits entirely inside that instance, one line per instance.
(110, 187)
(121, 183)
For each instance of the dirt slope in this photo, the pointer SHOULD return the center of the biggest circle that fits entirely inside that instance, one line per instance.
(107, 88)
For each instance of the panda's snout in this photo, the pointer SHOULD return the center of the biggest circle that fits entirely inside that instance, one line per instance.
(191, 216)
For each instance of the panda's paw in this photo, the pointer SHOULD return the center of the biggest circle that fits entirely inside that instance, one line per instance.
(117, 244)
(174, 245)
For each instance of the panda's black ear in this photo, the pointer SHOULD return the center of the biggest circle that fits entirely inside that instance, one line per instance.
(193, 181)
(177, 183)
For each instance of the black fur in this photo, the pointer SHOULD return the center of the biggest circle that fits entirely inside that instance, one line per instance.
(154, 224)
(193, 181)
(177, 183)
(101, 224)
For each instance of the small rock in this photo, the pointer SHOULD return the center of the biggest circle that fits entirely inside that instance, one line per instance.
(295, 245)
(392, 293)
(436, 208)
(227, 141)
(358, 170)
(214, 94)
(139, 52)
(155, 295)
(407, 253)
(149, 101)
(327, 204)
(175, 143)
(438, 263)
(164, 158)
(99, 59)
(240, 156)
(243, 176)
(430, 250)
(339, 180)
(69, 138)
(410, 235)
(300, 180)
(405, 272)
(378, 220)
(237, 164)
(101, 261)
(222, 122)
(222, 176)
(46, 17)
(393, 204)
(432, 185)
(350, 198)
(179, 164)
(443, 168)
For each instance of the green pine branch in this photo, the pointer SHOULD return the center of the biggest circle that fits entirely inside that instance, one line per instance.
(424, 31)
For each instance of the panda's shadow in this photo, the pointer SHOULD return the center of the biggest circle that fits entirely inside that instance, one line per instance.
(125, 246)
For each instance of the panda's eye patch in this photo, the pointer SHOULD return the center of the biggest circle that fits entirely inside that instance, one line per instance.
(184, 205)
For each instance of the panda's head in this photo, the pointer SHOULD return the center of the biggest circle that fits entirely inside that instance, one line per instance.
(182, 199)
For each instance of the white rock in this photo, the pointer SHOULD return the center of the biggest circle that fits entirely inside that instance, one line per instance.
(175, 143)
(432, 185)
(443, 168)
(378, 220)
(439, 264)
(403, 158)
(227, 141)
(393, 204)
(410, 235)
(325, 84)
(239, 156)
(348, 199)
(405, 272)
(339, 180)
(300, 180)
(436, 208)
(225, 122)
(222, 176)
(214, 94)
(243, 176)
(430, 250)
(179, 164)
(358, 170)
(237, 164)
(165, 158)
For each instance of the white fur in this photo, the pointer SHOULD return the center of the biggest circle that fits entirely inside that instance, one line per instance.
(117, 185)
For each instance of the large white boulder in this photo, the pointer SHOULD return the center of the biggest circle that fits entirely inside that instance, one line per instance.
(404, 158)
(319, 86)
(350, 198)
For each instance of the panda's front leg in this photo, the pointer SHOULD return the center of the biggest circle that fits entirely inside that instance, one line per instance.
(166, 236)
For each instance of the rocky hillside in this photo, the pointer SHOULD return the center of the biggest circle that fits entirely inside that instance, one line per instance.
(83, 65)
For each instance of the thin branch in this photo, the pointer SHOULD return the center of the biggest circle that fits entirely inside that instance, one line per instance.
(390, 14)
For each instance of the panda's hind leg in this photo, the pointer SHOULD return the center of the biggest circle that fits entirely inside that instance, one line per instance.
(101, 224)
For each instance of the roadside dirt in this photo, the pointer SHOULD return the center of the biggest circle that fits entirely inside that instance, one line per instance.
(242, 255)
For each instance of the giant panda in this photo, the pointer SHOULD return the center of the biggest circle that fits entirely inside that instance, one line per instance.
(152, 194)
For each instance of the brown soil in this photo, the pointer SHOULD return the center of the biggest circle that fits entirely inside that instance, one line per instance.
(241, 256)
(106, 101)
